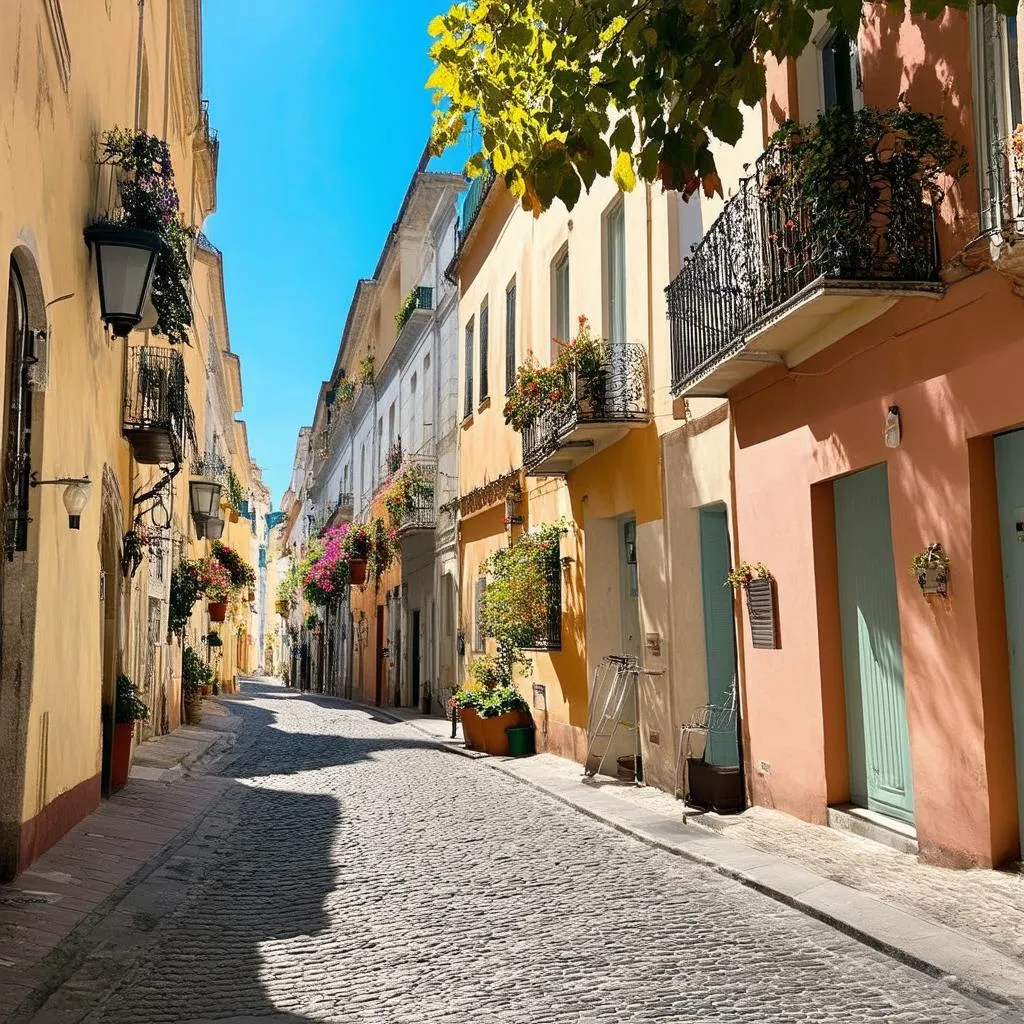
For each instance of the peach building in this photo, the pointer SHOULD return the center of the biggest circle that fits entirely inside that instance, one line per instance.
(876, 411)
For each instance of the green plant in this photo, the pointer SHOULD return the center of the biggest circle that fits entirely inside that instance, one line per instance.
(891, 161)
(128, 703)
(491, 701)
(743, 573)
(149, 201)
(515, 609)
(243, 575)
(579, 373)
(367, 369)
(560, 92)
(215, 579)
(371, 542)
(932, 560)
(312, 621)
(290, 582)
(186, 588)
(344, 391)
(485, 671)
(235, 493)
(213, 639)
(405, 311)
(410, 488)
(195, 673)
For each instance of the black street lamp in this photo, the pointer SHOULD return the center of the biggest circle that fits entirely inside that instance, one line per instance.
(125, 264)
(214, 528)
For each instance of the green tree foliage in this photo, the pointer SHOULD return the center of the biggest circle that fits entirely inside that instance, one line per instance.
(564, 91)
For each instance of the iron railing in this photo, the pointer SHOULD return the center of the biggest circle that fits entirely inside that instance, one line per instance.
(156, 410)
(417, 478)
(551, 638)
(421, 297)
(475, 196)
(769, 244)
(619, 396)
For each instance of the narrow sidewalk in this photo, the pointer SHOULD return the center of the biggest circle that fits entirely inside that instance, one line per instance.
(74, 880)
(964, 926)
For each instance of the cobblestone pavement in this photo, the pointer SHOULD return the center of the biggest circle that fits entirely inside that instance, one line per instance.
(353, 872)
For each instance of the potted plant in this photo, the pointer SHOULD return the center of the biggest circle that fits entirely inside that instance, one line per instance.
(195, 673)
(186, 588)
(235, 495)
(367, 369)
(216, 582)
(213, 639)
(488, 708)
(358, 544)
(326, 572)
(129, 708)
(149, 203)
(931, 570)
(243, 575)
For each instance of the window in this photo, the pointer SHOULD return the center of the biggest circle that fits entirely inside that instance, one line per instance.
(18, 414)
(467, 410)
(551, 639)
(560, 328)
(840, 73)
(615, 271)
(484, 328)
(997, 111)
(478, 614)
(510, 336)
(414, 417)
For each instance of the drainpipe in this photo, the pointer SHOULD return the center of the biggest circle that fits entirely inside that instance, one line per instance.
(138, 65)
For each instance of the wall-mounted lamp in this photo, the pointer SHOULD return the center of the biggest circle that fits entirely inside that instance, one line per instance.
(213, 528)
(203, 498)
(567, 561)
(893, 427)
(125, 264)
(76, 495)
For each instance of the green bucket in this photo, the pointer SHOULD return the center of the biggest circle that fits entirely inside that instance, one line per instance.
(520, 740)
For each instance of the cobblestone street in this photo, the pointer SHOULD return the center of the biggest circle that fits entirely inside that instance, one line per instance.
(350, 871)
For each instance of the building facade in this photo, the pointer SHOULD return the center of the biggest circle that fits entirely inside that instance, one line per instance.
(84, 600)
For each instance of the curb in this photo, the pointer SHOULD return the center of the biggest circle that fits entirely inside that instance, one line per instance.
(889, 945)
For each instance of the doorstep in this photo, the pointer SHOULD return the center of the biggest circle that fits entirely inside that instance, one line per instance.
(965, 927)
(879, 828)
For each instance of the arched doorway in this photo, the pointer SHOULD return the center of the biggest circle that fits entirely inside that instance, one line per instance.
(25, 318)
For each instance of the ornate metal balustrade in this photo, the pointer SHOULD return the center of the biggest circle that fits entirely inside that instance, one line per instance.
(419, 473)
(156, 410)
(769, 247)
(475, 196)
(622, 398)
(421, 297)
(551, 638)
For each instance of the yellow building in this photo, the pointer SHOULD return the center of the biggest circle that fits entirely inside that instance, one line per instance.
(82, 605)
(623, 581)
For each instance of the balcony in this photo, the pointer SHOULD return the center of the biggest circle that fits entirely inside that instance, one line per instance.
(566, 435)
(475, 196)
(156, 410)
(410, 496)
(341, 511)
(775, 281)
(420, 298)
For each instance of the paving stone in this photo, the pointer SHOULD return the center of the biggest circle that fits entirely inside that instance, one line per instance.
(351, 871)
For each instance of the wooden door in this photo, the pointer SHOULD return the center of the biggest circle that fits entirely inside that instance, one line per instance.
(876, 716)
(719, 632)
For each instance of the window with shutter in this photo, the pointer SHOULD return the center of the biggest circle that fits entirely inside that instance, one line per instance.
(484, 330)
(510, 337)
(478, 617)
(551, 638)
(468, 406)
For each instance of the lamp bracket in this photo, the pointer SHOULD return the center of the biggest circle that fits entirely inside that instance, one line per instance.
(34, 481)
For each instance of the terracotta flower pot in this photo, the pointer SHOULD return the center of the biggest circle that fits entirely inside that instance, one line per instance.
(121, 755)
(282, 608)
(357, 571)
(218, 610)
(252, 595)
(193, 705)
(233, 515)
(488, 734)
(205, 690)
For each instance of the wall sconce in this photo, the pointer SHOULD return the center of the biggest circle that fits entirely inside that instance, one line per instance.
(567, 561)
(513, 496)
(125, 264)
(203, 498)
(213, 528)
(76, 495)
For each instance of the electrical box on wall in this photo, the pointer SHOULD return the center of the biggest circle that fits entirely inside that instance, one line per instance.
(540, 697)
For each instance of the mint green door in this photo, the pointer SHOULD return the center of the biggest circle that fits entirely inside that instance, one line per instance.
(1010, 486)
(876, 715)
(719, 630)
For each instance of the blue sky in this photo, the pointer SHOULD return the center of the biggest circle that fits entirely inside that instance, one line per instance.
(322, 117)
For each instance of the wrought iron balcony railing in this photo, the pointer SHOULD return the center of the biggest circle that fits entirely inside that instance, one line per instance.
(156, 409)
(475, 196)
(411, 497)
(766, 251)
(551, 638)
(620, 398)
(420, 297)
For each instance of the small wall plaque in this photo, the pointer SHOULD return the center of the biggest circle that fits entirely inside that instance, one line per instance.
(540, 697)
